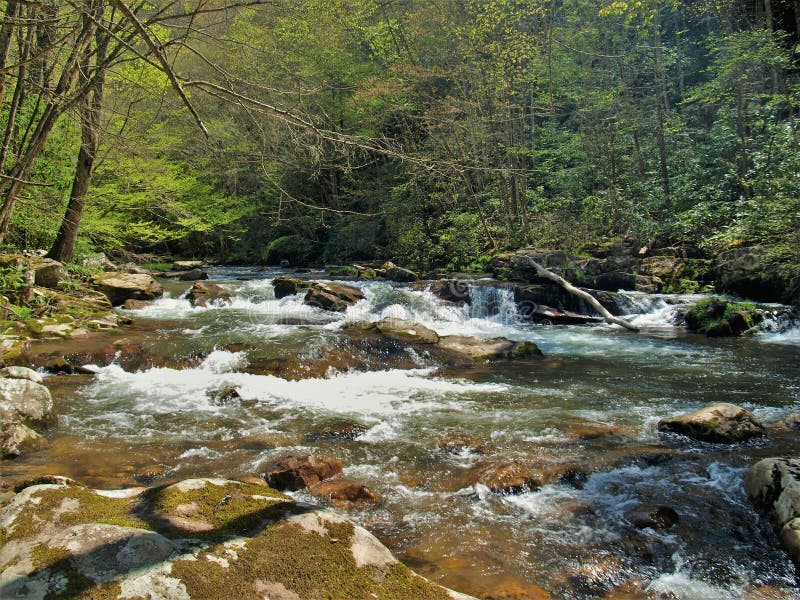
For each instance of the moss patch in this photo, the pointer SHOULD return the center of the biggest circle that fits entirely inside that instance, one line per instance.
(55, 564)
(717, 317)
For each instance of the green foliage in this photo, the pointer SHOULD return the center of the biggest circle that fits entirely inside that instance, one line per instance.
(293, 248)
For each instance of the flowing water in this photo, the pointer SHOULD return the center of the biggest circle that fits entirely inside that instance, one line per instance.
(587, 411)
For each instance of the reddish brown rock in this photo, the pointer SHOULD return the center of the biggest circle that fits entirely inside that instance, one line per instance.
(333, 297)
(344, 491)
(297, 472)
(205, 294)
(508, 478)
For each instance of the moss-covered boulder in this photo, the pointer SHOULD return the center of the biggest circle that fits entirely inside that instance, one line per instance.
(201, 538)
(119, 287)
(721, 423)
(718, 317)
(343, 271)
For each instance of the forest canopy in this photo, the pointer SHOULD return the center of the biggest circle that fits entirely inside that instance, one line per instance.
(434, 132)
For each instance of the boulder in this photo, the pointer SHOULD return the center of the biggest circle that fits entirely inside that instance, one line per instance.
(16, 439)
(131, 304)
(718, 317)
(186, 265)
(721, 423)
(289, 286)
(395, 273)
(663, 267)
(47, 272)
(208, 294)
(478, 349)
(774, 486)
(333, 297)
(790, 422)
(343, 492)
(508, 478)
(449, 290)
(119, 287)
(193, 275)
(196, 539)
(297, 472)
(403, 330)
(23, 399)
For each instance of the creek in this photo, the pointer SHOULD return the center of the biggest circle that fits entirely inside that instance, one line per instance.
(586, 412)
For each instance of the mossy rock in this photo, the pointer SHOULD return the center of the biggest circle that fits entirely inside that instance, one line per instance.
(343, 271)
(717, 317)
(200, 538)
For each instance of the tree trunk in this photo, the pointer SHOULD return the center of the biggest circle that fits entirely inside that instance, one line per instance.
(609, 318)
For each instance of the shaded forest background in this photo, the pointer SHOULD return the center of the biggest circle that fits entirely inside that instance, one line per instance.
(433, 132)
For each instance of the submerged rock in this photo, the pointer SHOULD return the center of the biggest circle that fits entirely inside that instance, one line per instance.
(344, 492)
(774, 486)
(119, 287)
(297, 472)
(508, 478)
(721, 423)
(199, 538)
(652, 517)
(208, 294)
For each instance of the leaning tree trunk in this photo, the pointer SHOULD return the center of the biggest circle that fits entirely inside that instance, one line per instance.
(90, 108)
(609, 318)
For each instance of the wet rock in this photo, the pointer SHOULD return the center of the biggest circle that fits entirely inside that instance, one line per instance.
(225, 394)
(595, 576)
(456, 443)
(131, 304)
(789, 423)
(774, 486)
(653, 517)
(450, 290)
(119, 287)
(343, 492)
(208, 294)
(16, 439)
(59, 365)
(150, 473)
(199, 538)
(192, 275)
(297, 472)
(508, 478)
(288, 286)
(478, 349)
(47, 272)
(721, 423)
(395, 273)
(403, 330)
(518, 591)
(333, 297)
(346, 431)
(24, 400)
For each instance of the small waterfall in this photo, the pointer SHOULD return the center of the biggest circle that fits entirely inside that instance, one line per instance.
(494, 303)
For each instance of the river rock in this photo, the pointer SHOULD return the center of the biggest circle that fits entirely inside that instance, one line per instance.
(653, 517)
(289, 286)
(774, 486)
(297, 472)
(403, 330)
(508, 478)
(790, 422)
(478, 349)
(47, 272)
(196, 539)
(343, 492)
(208, 294)
(119, 287)
(449, 290)
(187, 265)
(343, 432)
(718, 317)
(192, 275)
(394, 273)
(456, 443)
(23, 399)
(333, 297)
(16, 438)
(721, 423)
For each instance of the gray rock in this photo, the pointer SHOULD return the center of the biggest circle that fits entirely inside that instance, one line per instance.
(47, 272)
(774, 486)
(16, 439)
(186, 265)
(25, 401)
(119, 287)
(721, 423)
(14, 372)
(193, 275)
